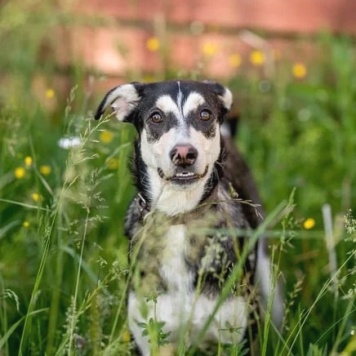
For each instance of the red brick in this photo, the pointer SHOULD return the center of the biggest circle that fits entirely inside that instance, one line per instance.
(273, 15)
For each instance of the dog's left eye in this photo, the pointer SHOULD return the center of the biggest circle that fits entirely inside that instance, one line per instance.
(156, 118)
(205, 115)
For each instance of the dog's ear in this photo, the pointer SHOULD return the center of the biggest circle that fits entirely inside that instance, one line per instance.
(122, 99)
(223, 93)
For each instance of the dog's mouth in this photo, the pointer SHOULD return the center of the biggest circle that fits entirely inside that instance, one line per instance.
(183, 176)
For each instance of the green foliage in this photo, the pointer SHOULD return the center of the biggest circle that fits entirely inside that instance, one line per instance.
(63, 254)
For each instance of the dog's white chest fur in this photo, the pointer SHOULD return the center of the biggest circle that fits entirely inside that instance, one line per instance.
(183, 311)
(173, 267)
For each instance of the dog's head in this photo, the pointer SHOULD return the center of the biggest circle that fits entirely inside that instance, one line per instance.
(179, 129)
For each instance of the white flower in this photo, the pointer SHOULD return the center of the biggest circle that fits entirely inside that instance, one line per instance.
(69, 142)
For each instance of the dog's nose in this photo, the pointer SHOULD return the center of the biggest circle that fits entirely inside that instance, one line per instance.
(183, 155)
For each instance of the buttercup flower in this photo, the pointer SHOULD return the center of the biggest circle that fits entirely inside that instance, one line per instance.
(153, 44)
(36, 197)
(126, 336)
(26, 224)
(309, 223)
(50, 93)
(235, 60)
(28, 161)
(45, 170)
(257, 58)
(19, 172)
(299, 70)
(112, 163)
(106, 136)
(210, 49)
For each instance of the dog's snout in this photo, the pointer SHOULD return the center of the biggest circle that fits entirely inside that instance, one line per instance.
(183, 155)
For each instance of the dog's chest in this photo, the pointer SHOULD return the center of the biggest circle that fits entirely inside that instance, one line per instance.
(178, 304)
(173, 268)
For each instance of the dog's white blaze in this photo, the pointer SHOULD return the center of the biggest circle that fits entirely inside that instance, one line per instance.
(179, 96)
(166, 104)
(192, 103)
(123, 100)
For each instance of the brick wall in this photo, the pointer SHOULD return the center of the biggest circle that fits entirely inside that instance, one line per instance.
(133, 37)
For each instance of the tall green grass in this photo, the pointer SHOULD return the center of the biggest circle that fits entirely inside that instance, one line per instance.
(63, 254)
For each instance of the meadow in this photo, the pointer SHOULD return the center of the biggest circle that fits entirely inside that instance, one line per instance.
(65, 186)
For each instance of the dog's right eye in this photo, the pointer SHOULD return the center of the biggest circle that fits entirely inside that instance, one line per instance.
(205, 115)
(156, 118)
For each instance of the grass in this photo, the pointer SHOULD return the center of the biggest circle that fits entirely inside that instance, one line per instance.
(63, 254)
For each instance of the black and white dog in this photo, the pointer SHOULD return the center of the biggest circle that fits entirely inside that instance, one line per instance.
(182, 223)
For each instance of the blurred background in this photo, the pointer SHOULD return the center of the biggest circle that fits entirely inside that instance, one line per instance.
(64, 182)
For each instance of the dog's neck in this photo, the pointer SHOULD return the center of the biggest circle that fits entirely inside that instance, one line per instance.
(209, 198)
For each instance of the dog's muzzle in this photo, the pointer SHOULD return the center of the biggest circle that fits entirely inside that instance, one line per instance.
(183, 157)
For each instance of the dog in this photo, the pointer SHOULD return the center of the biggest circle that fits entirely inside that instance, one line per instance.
(193, 194)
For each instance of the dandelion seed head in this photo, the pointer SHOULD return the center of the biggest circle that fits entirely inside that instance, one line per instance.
(69, 142)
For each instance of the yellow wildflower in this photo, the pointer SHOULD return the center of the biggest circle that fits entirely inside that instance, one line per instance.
(309, 223)
(210, 49)
(235, 60)
(153, 44)
(45, 170)
(106, 136)
(299, 70)
(19, 172)
(36, 197)
(26, 224)
(257, 58)
(28, 161)
(50, 93)
(126, 337)
(149, 78)
(112, 163)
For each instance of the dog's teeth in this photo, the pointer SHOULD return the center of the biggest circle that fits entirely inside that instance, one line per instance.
(184, 174)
